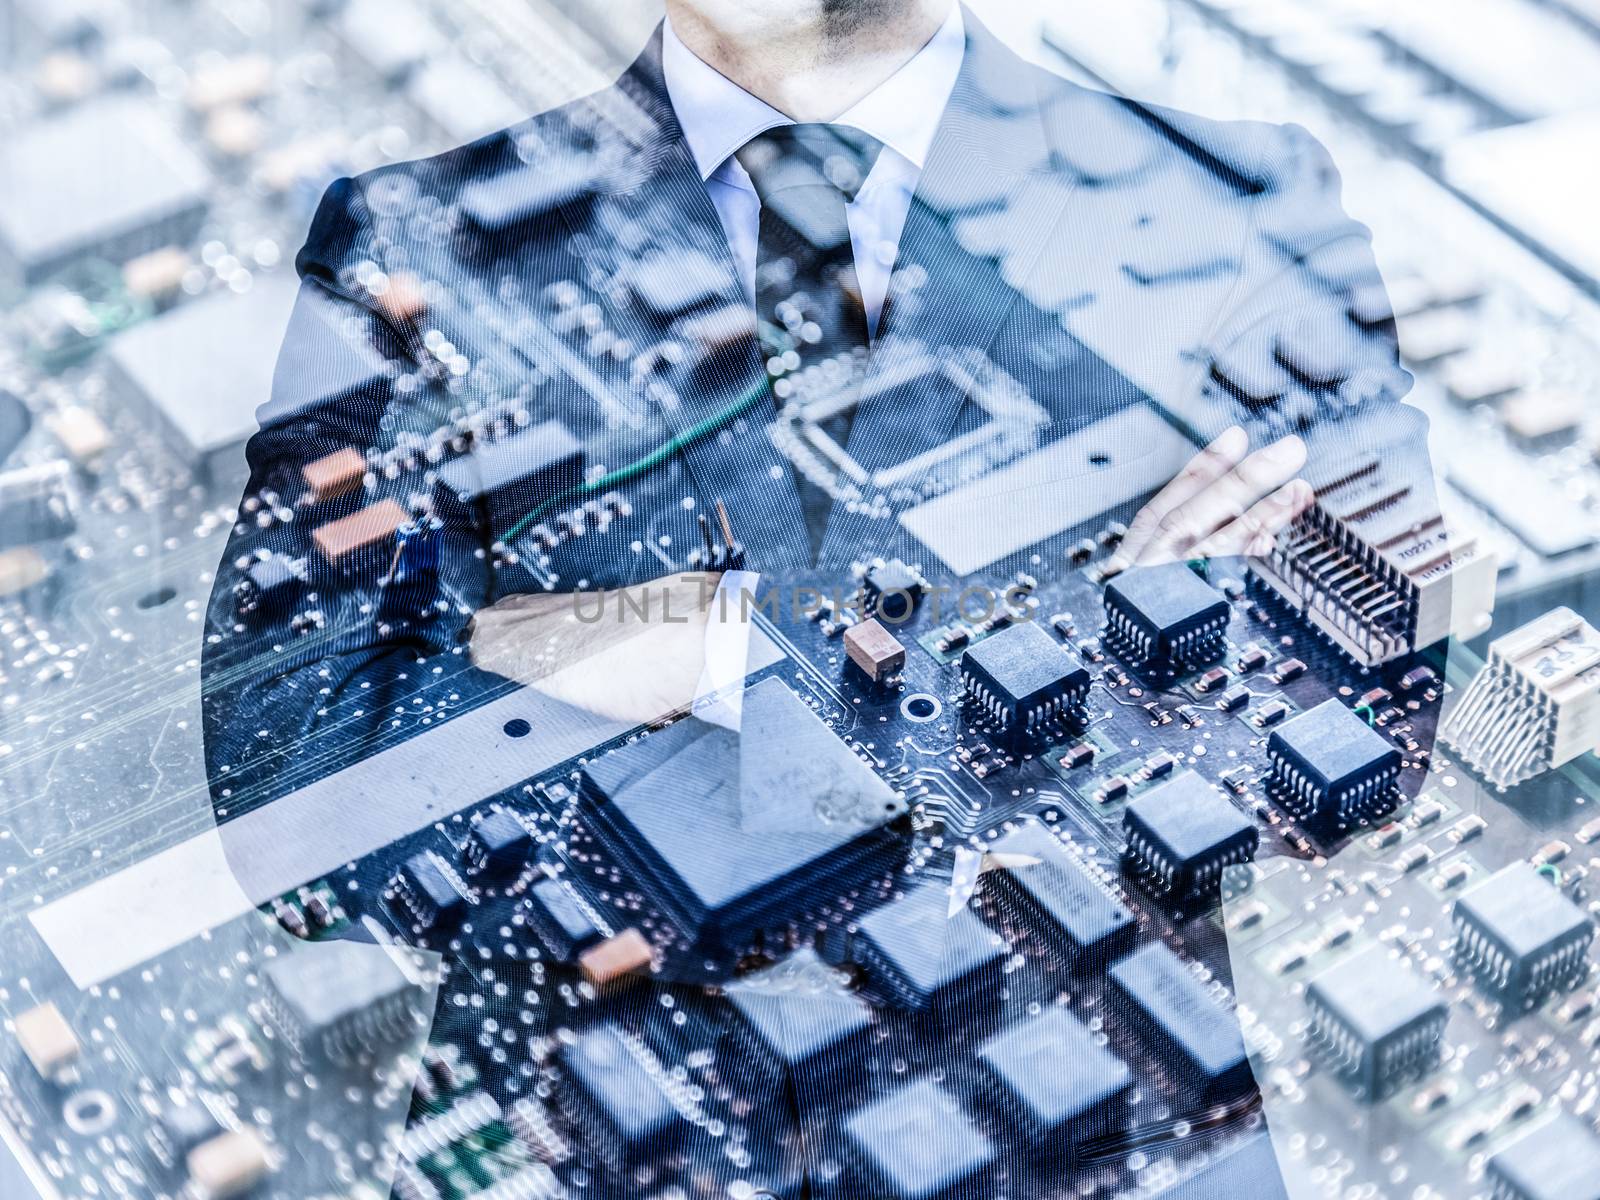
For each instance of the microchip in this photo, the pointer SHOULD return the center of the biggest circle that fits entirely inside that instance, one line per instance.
(917, 1143)
(188, 1122)
(498, 842)
(168, 368)
(1379, 1024)
(672, 282)
(1521, 936)
(732, 830)
(920, 955)
(517, 472)
(1056, 897)
(269, 587)
(1165, 619)
(496, 210)
(147, 189)
(878, 653)
(613, 1091)
(340, 998)
(799, 1012)
(1184, 1018)
(1330, 763)
(559, 919)
(1049, 1070)
(1183, 834)
(1560, 1160)
(429, 891)
(230, 1164)
(1024, 679)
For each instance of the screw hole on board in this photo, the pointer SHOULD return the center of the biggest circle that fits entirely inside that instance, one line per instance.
(1100, 459)
(89, 1112)
(517, 727)
(921, 707)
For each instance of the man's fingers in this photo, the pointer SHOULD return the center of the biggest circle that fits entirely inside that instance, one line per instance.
(1227, 499)
(1203, 470)
(1253, 533)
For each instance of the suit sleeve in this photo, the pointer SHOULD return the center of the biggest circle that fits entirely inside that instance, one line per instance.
(329, 663)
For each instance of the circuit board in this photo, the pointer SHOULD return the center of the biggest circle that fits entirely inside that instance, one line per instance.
(379, 975)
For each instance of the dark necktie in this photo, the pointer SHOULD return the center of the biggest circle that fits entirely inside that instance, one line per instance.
(807, 293)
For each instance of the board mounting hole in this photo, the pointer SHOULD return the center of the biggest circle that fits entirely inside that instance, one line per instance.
(89, 1112)
(517, 727)
(921, 707)
(155, 599)
(1099, 459)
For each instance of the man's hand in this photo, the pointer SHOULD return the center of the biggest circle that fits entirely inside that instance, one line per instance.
(635, 654)
(1224, 502)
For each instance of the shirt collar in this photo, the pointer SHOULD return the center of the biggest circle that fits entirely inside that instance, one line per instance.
(718, 116)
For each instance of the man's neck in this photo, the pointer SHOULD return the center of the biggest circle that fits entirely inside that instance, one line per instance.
(810, 59)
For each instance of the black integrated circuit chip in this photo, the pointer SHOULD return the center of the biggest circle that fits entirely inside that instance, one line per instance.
(498, 843)
(731, 831)
(1521, 936)
(1049, 1071)
(1165, 619)
(920, 954)
(429, 891)
(1054, 895)
(1378, 1024)
(1024, 680)
(917, 1144)
(1328, 762)
(611, 1093)
(1187, 1023)
(1183, 834)
(340, 998)
(1560, 1160)
(800, 1012)
(559, 920)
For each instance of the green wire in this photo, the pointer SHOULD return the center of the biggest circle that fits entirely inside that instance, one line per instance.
(1366, 709)
(655, 458)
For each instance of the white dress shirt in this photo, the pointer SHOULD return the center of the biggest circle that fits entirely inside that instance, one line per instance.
(718, 117)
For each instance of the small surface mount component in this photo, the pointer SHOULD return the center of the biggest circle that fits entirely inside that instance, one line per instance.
(229, 1164)
(1183, 834)
(1330, 763)
(1024, 680)
(1521, 936)
(920, 954)
(659, 801)
(147, 189)
(1165, 619)
(1374, 564)
(1560, 1160)
(429, 891)
(1050, 892)
(799, 1011)
(880, 655)
(917, 1144)
(1379, 1023)
(617, 959)
(334, 474)
(1184, 1018)
(47, 1039)
(1535, 705)
(340, 999)
(613, 1091)
(371, 529)
(499, 843)
(1048, 1071)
